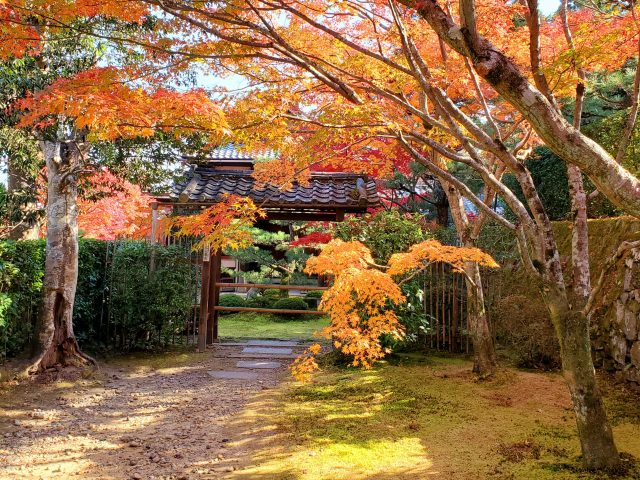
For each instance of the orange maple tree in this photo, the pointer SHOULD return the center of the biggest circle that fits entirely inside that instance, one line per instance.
(361, 300)
(116, 208)
(103, 102)
(224, 224)
(120, 100)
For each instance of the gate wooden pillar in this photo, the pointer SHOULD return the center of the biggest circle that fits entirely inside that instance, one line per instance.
(204, 299)
(214, 297)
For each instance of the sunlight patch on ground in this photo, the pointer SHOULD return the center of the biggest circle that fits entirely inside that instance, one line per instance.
(342, 460)
(419, 417)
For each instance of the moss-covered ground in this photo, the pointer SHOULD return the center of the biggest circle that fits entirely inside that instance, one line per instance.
(417, 417)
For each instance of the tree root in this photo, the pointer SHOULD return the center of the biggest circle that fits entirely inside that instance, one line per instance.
(66, 353)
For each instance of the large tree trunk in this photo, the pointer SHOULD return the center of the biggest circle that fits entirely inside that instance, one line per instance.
(572, 328)
(484, 351)
(57, 343)
(596, 438)
(441, 204)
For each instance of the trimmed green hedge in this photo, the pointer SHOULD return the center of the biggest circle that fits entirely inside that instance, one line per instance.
(118, 305)
(261, 301)
(314, 294)
(21, 272)
(291, 303)
(231, 300)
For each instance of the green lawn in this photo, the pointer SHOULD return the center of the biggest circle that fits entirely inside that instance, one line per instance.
(257, 325)
(424, 418)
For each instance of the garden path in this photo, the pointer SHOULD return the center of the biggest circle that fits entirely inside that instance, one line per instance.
(138, 417)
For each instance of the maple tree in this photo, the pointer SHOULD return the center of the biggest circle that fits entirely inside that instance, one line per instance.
(225, 224)
(448, 95)
(62, 56)
(99, 103)
(468, 83)
(312, 239)
(361, 298)
(114, 209)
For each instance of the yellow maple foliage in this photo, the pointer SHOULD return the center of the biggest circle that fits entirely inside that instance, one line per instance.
(337, 256)
(102, 101)
(429, 251)
(361, 300)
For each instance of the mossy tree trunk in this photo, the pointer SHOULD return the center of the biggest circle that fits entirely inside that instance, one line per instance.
(572, 329)
(484, 356)
(56, 342)
(596, 438)
(484, 352)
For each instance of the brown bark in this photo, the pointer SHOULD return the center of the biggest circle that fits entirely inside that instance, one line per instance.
(440, 201)
(442, 212)
(56, 342)
(596, 438)
(484, 352)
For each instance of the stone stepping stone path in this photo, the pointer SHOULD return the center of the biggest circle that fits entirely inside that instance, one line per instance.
(258, 364)
(266, 356)
(268, 351)
(272, 343)
(257, 355)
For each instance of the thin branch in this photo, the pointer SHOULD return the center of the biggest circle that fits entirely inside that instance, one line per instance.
(448, 177)
(481, 98)
(533, 21)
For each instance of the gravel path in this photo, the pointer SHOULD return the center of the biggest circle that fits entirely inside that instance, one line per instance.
(132, 421)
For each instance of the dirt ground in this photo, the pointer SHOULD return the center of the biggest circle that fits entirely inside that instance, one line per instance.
(412, 417)
(135, 418)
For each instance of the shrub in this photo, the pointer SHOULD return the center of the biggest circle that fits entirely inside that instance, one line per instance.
(524, 328)
(314, 294)
(384, 233)
(21, 272)
(144, 310)
(231, 300)
(275, 293)
(261, 302)
(312, 298)
(118, 303)
(291, 303)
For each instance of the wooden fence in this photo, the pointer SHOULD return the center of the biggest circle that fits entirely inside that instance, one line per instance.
(445, 305)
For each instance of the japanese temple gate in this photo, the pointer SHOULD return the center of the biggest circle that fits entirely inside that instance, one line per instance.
(227, 171)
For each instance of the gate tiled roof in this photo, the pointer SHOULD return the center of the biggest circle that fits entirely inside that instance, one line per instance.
(344, 191)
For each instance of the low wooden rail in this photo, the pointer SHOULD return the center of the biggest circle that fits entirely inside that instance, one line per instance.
(268, 310)
(268, 286)
(210, 296)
